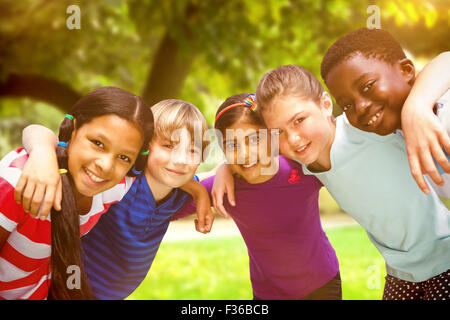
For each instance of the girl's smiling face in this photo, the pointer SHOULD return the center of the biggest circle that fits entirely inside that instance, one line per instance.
(247, 150)
(101, 152)
(304, 127)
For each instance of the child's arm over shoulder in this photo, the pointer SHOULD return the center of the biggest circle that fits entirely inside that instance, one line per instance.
(223, 183)
(425, 136)
(40, 181)
(205, 217)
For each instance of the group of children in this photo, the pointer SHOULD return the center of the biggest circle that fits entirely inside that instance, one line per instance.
(125, 176)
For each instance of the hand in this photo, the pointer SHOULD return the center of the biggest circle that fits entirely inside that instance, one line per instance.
(205, 217)
(39, 183)
(424, 137)
(223, 183)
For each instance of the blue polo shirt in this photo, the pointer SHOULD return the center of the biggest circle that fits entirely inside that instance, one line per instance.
(119, 250)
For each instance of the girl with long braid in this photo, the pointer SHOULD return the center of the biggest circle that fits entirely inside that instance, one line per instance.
(102, 141)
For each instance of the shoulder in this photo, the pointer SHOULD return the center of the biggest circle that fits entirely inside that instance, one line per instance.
(292, 172)
(15, 159)
(11, 166)
(117, 192)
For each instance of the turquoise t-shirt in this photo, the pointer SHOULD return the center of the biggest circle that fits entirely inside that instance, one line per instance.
(371, 180)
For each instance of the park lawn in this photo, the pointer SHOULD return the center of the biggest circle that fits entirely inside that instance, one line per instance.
(217, 268)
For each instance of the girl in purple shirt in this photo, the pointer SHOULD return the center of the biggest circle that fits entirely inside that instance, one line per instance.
(278, 213)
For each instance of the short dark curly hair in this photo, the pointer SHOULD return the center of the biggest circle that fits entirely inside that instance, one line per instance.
(372, 43)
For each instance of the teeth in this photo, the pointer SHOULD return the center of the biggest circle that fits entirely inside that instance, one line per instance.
(249, 165)
(302, 148)
(374, 118)
(93, 177)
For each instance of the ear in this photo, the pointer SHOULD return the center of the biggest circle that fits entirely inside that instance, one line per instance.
(326, 103)
(407, 69)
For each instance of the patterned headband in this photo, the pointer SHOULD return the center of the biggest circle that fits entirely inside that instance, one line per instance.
(250, 102)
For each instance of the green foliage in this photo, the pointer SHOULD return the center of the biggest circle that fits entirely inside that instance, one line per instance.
(217, 268)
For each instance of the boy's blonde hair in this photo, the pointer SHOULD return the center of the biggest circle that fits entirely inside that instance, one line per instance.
(172, 114)
(288, 80)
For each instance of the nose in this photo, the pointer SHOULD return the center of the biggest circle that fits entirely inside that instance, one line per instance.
(242, 153)
(105, 163)
(362, 106)
(293, 138)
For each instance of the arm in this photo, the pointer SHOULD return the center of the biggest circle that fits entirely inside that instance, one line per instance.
(424, 134)
(205, 217)
(40, 180)
(223, 183)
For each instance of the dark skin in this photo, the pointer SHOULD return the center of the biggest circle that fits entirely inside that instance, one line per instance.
(371, 91)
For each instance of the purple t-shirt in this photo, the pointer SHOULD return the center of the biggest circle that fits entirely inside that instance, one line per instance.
(289, 254)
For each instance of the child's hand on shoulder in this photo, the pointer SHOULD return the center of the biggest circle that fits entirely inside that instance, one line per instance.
(223, 184)
(40, 183)
(425, 136)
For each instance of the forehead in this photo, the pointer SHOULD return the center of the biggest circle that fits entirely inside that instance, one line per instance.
(356, 66)
(117, 132)
(283, 109)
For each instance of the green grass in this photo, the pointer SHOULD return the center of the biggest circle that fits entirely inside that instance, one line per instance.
(217, 268)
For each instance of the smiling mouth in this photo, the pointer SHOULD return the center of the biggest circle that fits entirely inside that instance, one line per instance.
(249, 166)
(93, 177)
(374, 118)
(303, 148)
(178, 173)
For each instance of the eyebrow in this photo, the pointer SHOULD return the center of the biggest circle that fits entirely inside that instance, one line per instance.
(247, 136)
(104, 138)
(354, 84)
(295, 116)
(359, 78)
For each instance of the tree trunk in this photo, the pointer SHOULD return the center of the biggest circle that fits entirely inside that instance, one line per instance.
(168, 72)
(41, 88)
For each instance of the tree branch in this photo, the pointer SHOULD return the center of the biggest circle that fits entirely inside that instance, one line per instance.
(41, 88)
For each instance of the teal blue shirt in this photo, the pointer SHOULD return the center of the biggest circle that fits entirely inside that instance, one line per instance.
(371, 180)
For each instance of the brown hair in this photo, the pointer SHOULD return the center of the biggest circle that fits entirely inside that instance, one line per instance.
(173, 114)
(287, 80)
(231, 116)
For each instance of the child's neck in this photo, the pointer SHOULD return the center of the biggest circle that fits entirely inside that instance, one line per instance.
(323, 162)
(84, 203)
(161, 192)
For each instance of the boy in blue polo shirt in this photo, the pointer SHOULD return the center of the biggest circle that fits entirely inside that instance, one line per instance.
(120, 250)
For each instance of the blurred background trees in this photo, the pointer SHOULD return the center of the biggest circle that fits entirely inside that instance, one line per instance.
(195, 50)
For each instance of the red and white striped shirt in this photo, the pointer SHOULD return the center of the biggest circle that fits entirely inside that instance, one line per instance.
(25, 256)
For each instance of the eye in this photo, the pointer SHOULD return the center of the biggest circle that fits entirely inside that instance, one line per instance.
(98, 143)
(254, 139)
(276, 132)
(346, 107)
(195, 151)
(168, 146)
(230, 145)
(368, 86)
(298, 121)
(124, 158)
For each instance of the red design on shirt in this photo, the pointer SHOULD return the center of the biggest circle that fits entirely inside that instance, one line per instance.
(294, 177)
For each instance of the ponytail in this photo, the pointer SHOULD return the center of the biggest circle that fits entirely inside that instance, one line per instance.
(65, 234)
